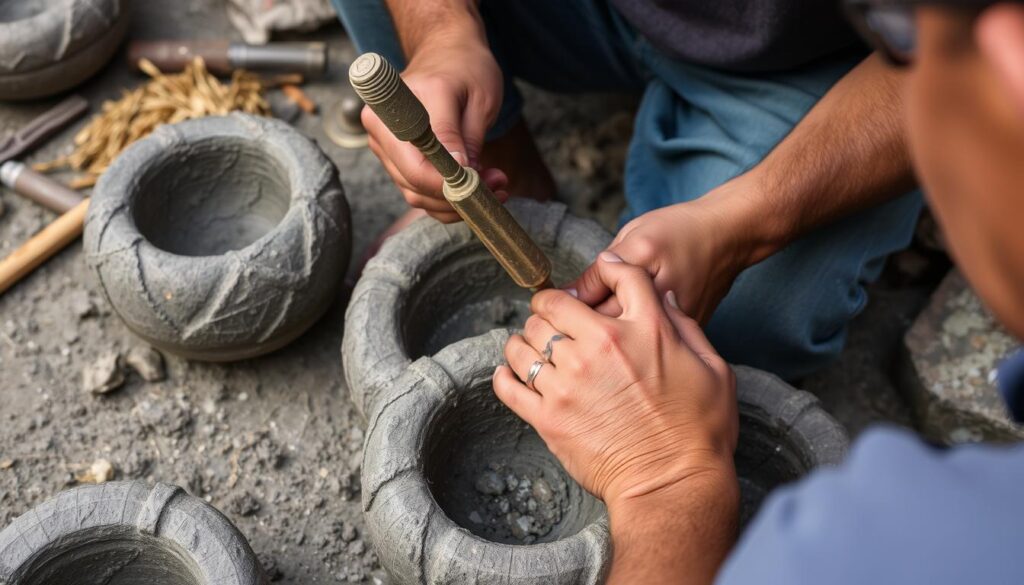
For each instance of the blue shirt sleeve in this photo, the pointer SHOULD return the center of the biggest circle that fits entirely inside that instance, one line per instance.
(897, 511)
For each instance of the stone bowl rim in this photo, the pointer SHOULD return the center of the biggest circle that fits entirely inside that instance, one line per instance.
(388, 281)
(163, 494)
(121, 180)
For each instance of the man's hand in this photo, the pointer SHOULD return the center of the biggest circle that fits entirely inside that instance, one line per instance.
(693, 249)
(642, 412)
(454, 74)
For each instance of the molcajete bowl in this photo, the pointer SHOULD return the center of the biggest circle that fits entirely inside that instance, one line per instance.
(457, 489)
(48, 46)
(434, 284)
(221, 238)
(123, 533)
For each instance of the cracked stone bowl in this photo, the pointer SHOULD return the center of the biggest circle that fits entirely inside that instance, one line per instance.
(434, 284)
(48, 46)
(449, 474)
(219, 239)
(126, 533)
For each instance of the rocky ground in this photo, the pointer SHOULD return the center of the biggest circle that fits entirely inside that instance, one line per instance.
(274, 442)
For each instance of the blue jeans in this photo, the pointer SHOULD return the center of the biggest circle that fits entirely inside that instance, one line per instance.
(695, 129)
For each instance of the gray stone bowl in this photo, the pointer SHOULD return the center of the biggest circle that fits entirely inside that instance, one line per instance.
(221, 238)
(438, 433)
(48, 46)
(439, 436)
(434, 284)
(128, 533)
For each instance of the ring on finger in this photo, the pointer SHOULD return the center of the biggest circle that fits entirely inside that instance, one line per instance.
(550, 346)
(532, 374)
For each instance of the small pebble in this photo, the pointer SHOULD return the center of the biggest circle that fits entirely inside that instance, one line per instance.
(542, 490)
(490, 483)
(101, 471)
(147, 362)
(104, 375)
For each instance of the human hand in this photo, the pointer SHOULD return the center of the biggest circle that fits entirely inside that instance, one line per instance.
(694, 249)
(460, 84)
(633, 406)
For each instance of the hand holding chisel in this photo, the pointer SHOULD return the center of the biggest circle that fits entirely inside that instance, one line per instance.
(380, 86)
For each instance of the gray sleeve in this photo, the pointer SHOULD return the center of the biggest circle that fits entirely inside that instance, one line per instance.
(897, 511)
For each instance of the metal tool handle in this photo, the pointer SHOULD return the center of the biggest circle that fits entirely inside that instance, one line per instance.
(43, 127)
(172, 56)
(38, 187)
(223, 57)
(383, 90)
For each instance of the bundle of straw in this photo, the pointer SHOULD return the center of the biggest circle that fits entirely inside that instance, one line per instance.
(165, 99)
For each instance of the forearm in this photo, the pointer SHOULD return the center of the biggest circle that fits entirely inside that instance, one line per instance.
(847, 154)
(678, 538)
(417, 21)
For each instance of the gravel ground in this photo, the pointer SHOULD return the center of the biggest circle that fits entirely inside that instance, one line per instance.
(274, 442)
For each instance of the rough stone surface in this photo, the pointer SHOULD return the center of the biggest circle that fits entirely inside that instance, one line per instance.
(953, 350)
(128, 532)
(48, 46)
(104, 375)
(219, 239)
(435, 284)
(449, 474)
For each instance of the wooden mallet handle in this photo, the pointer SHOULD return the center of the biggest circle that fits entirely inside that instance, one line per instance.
(40, 247)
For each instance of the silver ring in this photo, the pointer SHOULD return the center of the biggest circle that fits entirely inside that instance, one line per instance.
(532, 375)
(549, 347)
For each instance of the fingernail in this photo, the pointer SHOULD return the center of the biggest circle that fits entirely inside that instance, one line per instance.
(460, 158)
(670, 296)
(496, 370)
(610, 256)
(575, 293)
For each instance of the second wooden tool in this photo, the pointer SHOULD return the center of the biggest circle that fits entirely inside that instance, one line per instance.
(380, 86)
(50, 240)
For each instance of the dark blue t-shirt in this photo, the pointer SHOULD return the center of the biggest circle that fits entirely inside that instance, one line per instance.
(742, 35)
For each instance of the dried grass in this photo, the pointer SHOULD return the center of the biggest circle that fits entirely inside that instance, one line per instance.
(165, 99)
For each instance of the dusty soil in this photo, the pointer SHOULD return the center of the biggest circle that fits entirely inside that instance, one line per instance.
(274, 442)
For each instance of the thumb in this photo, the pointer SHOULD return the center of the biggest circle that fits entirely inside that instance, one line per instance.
(446, 122)
(476, 119)
(589, 287)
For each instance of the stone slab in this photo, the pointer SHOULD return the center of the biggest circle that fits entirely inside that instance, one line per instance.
(950, 368)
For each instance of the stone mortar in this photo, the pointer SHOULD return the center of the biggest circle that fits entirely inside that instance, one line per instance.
(48, 46)
(426, 447)
(439, 434)
(434, 284)
(126, 533)
(219, 239)
(784, 434)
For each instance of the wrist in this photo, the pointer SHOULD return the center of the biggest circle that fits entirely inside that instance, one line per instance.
(753, 226)
(458, 30)
(686, 528)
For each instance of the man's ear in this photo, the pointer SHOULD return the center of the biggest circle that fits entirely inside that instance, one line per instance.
(1000, 35)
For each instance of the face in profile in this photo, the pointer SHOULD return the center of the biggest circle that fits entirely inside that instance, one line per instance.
(965, 118)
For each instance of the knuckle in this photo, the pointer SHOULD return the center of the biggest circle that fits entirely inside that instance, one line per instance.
(532, 327)
(643, 248)
(576, 367)
(545, 302)
(608, 337)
